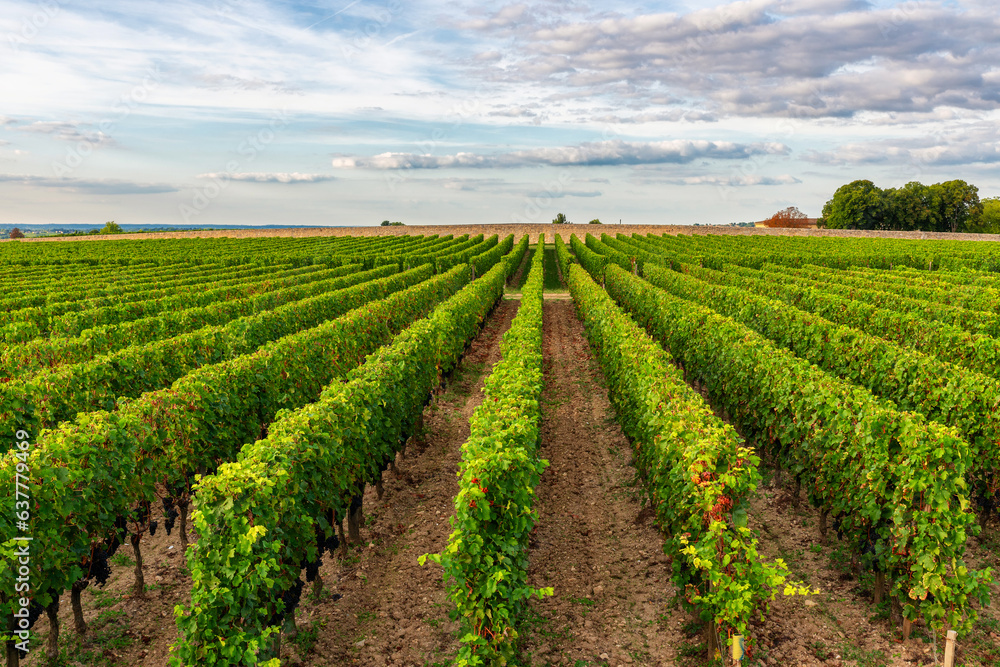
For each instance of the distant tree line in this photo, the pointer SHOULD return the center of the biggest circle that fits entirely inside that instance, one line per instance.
(951, 206)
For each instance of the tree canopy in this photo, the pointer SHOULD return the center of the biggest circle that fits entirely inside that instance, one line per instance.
(951, 206)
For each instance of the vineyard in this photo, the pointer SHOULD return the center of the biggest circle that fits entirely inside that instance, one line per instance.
(468, 450)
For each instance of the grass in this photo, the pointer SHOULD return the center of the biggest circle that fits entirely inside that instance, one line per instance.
(109, 634)
(980, 644)
(102, 598)
(121, 560)
(863, 658)
(306, 639)
(820, 651)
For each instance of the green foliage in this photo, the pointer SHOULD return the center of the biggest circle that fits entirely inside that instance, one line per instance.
(52, 396)
(697, 471)
(104, 464)
(485, 260)
(560, 219)
(258, 517)
(592, 261)
(989, 219)
(563, 257)
(911, 504)
(951, 206)
(595, 221)
(110, 227)
(222, 305)
(857, 205)
(486, 559)
(943, 392)
(959, 205)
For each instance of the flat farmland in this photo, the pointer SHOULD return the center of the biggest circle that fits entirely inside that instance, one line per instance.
(508, 444)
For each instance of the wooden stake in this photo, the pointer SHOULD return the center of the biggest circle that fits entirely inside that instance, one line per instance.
(907, 627)
(949, 649)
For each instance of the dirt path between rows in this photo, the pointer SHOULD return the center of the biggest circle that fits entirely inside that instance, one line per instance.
(391, 611)
(593, 542)
(841, 626)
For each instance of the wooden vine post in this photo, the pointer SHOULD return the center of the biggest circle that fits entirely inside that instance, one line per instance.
(949, 649)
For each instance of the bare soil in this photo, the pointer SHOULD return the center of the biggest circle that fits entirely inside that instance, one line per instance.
(593, 543)
(841, 625)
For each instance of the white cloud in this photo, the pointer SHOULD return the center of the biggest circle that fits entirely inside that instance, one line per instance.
(559, 194)
(267, 177)
(963, 144)
(734, 180)
(801, 58)
(598, 153)
(103, 186)
(68, 131)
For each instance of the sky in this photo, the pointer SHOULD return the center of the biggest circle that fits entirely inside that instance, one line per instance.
(346, 112)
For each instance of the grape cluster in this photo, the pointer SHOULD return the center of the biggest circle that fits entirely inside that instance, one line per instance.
(170, 514)
(141, 513)
(100, 570)
(290, 597)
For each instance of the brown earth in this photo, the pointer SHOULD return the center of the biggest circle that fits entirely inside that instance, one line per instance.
(841, 625)
(519, 230)
(593, 542)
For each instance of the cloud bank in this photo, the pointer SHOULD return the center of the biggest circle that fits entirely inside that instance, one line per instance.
(599, 153)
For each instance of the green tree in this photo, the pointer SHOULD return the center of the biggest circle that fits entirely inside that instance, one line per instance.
(16, 233)
(958, 205)
(560, 219)
(595, 221)
(912, 207)
(111, 227)
(989, 216)
(857, 205)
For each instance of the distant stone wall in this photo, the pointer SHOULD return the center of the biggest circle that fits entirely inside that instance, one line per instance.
(532, 230)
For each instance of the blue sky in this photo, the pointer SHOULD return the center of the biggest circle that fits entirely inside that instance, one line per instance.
(351, 112)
